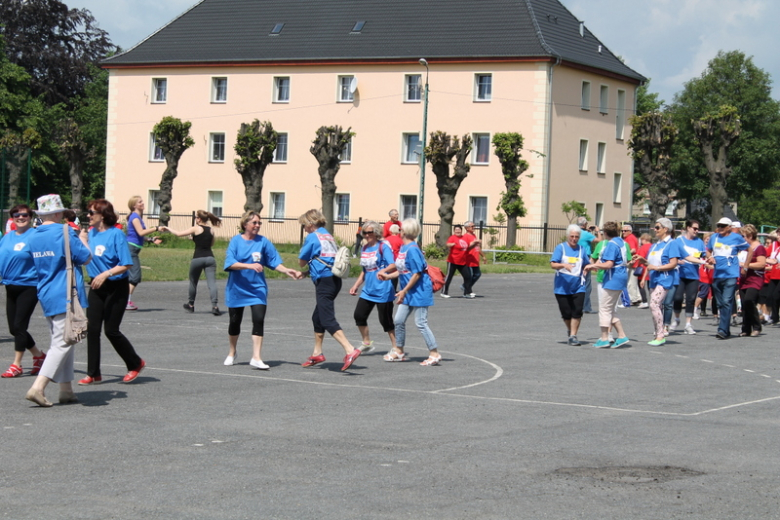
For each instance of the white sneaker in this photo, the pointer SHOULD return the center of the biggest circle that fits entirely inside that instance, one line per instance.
(696, 314)
(689, 329)
(644, 305)
(666, 331)
(230, 361)
(610, 339)
(445, 295)
(259, 364)
(673, 326)
(366, 348)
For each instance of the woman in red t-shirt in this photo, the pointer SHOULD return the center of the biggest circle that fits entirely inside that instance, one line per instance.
(645, 243)
(773, 279)
(751, 281)
(457, 260)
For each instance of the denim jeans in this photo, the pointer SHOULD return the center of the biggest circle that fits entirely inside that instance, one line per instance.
(724, 289)
(588, 289)
(669, 305)
(420, 319)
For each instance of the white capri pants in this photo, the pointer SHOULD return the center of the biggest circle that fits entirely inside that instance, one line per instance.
(58, 365)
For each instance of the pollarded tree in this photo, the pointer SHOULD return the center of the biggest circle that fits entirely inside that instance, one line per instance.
(440, 153)
(327, 148)
(173, 137)
(72, 144)
(255, 145)
(508, 149)
(715, 134)
(652, 138)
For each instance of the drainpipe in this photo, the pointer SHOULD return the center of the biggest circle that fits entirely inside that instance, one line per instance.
(548, 148)
(631, 193)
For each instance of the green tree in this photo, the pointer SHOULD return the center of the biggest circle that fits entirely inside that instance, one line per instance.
(73, 145)
(731, 79)
(173, 138)
(327, 148)
(255, 145)
(508, 149)
(442, 149)
(647, 101)
(574, 209)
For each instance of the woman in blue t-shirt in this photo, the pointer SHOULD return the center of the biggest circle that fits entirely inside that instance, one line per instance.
(136, 233)
(319, 252)
(108, 291)
(246, 258)
(375, 255)
(18, 274)
(416, 294)
(569, 260)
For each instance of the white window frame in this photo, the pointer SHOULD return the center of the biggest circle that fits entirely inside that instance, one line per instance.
(405, 153)
(273, 208)
(599, 214)
(343, 95)
(283, 137)
(472, 216)
(157, 99)
(585, 95)
(604, 99)
(601, 158)
(213, 143)
(216, 95)
(583, 164)
(617, 188)
(277, 89)
(346, 156)
(338, 217)
(620, 117)
(153, 149)
(152, 207)
(408, 88)
(488, 96)
(211, 202)
(402, 206)
(476, 136)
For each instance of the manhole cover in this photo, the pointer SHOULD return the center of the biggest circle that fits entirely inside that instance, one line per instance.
(630, 474)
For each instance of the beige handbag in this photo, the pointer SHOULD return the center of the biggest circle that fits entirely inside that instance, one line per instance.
(75, 318)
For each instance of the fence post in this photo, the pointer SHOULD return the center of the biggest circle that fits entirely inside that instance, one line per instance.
(481, 228)
(544, 238)
(300, 243)
(193, 218)
(359, 237)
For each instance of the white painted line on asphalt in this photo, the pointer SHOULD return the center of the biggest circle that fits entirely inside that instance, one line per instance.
(751, 371)
(730, 366)
(707, 361)
(764, 375)
(736, 405)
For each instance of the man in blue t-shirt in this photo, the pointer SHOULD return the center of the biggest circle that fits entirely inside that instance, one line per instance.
(588, 240)
(723, 247)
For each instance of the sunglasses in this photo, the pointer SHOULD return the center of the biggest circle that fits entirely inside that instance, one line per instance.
(723, 225)
(695, 228)
(255, 223)
(20, 215)
(366, 233)
(626, 231)
(657, 227)
(91, 212)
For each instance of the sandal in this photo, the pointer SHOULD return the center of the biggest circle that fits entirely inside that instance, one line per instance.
(431, 361)
(37, 364)
(394, 356)
(366, 347)
(13, 371)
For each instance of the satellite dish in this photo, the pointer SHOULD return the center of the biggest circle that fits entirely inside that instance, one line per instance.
(353, 85)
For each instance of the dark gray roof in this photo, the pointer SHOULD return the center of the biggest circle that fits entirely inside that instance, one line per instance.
(239, 31)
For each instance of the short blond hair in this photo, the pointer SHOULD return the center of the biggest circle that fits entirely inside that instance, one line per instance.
(410, 228)
(313, 217)
(246, 217)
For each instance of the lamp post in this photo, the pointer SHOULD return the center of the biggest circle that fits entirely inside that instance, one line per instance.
(424, 63)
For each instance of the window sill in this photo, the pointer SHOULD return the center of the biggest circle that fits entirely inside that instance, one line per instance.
(217, 162)
(412, 100)
(279, 162)
(219, 102)
(482, 100)
(159, 102)
(480, 164)
(281, 102)
(345, 101)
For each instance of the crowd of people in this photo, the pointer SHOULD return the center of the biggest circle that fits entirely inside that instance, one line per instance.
(728, 266)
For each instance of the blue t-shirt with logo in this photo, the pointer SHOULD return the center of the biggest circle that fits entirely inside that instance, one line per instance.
(725, 250)
(660, 254)
(371, 260)
(47, 249)
(695, 248)
(320, 244)
(246, 286)
(16, 263)
(570, 282)
(615, 278)
(109, 249)
(411, 260)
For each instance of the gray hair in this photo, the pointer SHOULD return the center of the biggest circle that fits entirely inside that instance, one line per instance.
(582, 222)
(665, 222)
(374, 226)
(395, 229)
(468, 223)
(390, 213)
(629, 227)
(573, 228)
(410, 228)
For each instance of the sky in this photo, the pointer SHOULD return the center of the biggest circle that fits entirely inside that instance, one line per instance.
(669, 41)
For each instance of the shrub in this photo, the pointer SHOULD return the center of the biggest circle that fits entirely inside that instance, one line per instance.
(434, 252)
(510, 258)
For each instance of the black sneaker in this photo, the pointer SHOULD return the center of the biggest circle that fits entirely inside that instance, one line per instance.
(216, 312)
(573, 341)
(189, 307)
(721, 335)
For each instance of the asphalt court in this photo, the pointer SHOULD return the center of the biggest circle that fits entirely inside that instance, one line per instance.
(513, 424)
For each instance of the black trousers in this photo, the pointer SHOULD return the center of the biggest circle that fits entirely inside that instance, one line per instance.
(324, 316)
(384, 310)
(464, 271)
(688, 289)
(106, 310)
(236, 315)
(20, 305)
(750, 319)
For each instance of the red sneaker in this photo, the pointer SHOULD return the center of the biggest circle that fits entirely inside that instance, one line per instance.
(313, 360)
(37, 364)
(13, 371)
(89, 380)
(133, 374)
(350, 358)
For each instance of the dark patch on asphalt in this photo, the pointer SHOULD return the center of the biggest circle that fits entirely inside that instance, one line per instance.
(630, 474)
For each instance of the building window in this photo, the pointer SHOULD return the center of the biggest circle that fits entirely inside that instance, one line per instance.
(159, 90)
(413, 88)
(277, 206)
(481, 152)
(602, 158)
(281, 89)
(408, 206)
(153, 207)
(342, 207)
(345, 89)
(412, 148)
(586, 95)
(599, 214)
(346, 154)
(483, 87)
(219, 90)
(478, 209)
(583, 155)
(217, 147)
(155, 152)
(621, 114)
(280, 154)
(617, 189)
(215, 203)
(604, 99)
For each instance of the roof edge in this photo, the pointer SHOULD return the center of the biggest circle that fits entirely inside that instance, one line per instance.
(538, 31)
